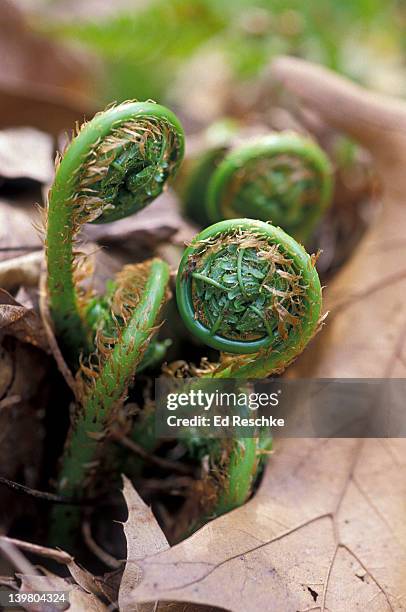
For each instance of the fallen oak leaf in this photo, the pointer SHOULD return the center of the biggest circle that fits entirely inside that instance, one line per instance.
(326, 530)
(144, 537)
(79, 600)
(277, 554)
(30, 579)
(85, 579)
(84, 595)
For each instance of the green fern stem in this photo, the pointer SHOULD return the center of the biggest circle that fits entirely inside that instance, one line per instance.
(110, 384)
(105, 388)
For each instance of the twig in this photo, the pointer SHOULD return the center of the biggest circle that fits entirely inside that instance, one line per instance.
(43, 495)
(171, 484)
(165, 464)
(99, 552)
(28, 247)
(57, 555)
(11, 552)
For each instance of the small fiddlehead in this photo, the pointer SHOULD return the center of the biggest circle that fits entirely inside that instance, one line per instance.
(247, 288)
(284, 178)
(140, 292)
(116, 165)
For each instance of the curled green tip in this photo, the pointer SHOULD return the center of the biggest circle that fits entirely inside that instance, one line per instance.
(245, 286)
(284, 178)
(118, 163)
(148, 149)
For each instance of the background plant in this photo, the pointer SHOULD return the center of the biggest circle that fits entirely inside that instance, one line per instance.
(281, 177)
(144, 49)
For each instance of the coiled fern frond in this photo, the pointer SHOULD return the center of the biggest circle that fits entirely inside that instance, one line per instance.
(284, 178)
(117, 164)
(245, 287)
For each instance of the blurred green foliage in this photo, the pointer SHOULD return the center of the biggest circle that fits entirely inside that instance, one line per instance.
(143, 49)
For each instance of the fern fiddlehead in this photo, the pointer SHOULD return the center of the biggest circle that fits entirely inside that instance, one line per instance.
(284, 178)
(245, 287)
(248, 289)
(116, 165)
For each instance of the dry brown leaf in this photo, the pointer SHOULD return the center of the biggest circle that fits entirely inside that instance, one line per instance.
(42, 84)
(21, 322)
(79, 600)
(82, 595)
(17, 233)
(144, 538)
(89, 583)
(326, 531)
(159, 222)
(26, 153)
(21, 271)
(316, 536)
